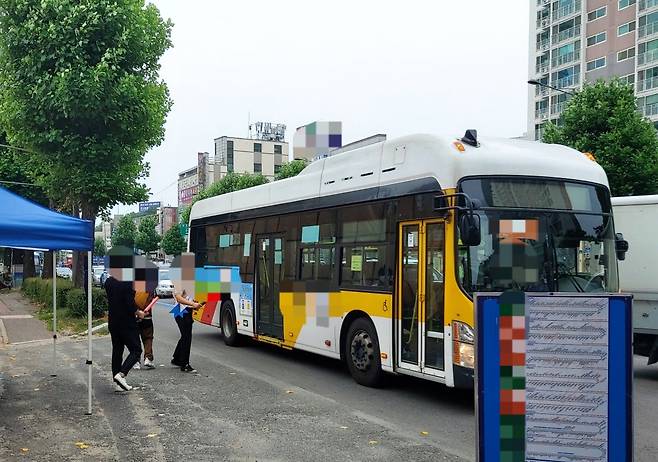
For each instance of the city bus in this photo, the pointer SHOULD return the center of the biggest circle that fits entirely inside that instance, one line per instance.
(372, 256)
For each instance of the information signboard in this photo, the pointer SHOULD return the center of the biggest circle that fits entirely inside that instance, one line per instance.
(554, 377)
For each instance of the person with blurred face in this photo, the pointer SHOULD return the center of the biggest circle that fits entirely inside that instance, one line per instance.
(182, 276)
(122, 315)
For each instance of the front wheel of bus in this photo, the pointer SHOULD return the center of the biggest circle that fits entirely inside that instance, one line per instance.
(362, 353)
(229, 328)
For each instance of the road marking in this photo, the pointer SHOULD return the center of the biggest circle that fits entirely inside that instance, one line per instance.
(16, 316)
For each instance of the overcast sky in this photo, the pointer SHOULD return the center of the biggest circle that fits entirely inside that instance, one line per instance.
(394, 67)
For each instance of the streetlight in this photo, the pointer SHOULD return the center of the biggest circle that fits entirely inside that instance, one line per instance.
(536, 83)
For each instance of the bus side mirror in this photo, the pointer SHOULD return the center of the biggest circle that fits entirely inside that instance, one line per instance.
(469, 229)
(621, 246)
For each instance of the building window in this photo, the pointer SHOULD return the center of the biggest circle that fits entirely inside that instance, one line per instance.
(596, 64)
(258, 168)
(598, 13)
(625, 3)
(229, 156)
(626, 54)
(626, 28)
(277, 169)
(258, 147)
(598, 38)
(277, 149)
(629, 79)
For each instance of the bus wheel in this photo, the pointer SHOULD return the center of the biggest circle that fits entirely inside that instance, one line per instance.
(362, 353)
(229, 329)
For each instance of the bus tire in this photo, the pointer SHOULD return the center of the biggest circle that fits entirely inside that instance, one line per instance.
(361, 352)
(229, 328)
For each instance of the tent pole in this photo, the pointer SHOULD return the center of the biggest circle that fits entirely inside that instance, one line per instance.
(89, 334)
(54, 374)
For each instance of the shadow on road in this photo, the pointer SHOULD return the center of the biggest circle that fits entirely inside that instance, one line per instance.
(410, 387)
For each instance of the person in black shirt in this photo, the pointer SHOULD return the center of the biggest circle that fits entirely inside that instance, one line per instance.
(122, 318)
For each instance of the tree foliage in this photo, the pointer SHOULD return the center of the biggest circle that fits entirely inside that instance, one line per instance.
(291, 169)
(603, 119)
(125, 233)
(173, 242)
(231, 182)
(79, 88)
(148, 240)
(99, 247)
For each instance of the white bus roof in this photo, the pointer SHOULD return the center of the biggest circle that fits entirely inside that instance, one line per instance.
(409, 158)
(635, 200)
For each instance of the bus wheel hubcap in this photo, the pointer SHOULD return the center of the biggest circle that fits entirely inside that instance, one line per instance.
(362, 351)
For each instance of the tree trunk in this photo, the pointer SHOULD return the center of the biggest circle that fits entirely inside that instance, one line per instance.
(47, 271)
(29, 271)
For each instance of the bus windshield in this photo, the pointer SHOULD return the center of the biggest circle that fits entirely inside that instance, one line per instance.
(540, 236)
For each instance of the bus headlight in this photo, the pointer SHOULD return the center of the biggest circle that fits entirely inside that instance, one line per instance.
(463, 349)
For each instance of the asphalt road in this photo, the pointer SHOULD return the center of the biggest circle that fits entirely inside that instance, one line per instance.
(406, 406)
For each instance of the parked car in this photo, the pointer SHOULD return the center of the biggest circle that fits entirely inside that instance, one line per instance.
(64, 272)
(98, 272)
(165, 287)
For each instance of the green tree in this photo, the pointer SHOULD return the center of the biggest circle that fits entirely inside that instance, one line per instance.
(291, 169)
(602, 119)
(231, 182)
(79, 88)
(99, 248)
(173, 242)
(148, 240)
(126, 233)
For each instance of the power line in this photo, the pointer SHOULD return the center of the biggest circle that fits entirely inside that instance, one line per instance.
(16, 148)
(20, 183)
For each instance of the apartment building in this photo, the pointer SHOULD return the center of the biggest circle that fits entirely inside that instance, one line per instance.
(577, 41)
(247, 155)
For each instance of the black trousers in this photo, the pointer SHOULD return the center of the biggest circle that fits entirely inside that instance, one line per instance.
(182, 351)
(124, 335)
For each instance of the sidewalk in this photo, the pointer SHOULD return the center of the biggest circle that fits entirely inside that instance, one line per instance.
(18, 321)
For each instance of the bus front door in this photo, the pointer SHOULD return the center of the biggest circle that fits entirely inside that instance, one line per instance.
(420, 295)
(269, 271)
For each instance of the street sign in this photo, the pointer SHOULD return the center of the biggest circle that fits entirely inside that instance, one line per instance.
(183, 229)
(554, 377)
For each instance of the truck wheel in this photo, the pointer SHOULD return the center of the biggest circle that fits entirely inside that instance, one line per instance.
(361, 352)
(229, 329)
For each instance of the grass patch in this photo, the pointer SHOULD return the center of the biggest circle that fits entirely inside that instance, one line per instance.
(67, 323)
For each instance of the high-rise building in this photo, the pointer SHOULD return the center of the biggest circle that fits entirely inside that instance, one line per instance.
(577, 41)
(249, 155)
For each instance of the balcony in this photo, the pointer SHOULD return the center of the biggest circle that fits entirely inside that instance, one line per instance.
(543, 45)
(647, 84)
(647, 5)
(648, 30)
(566, 10)
(541, 114)
(541, 91)
(566, 34)
(569, 81)
(557, 108)
(649, 57)
(541, 3)
(541, 68)
(649, 110)
(566, 59)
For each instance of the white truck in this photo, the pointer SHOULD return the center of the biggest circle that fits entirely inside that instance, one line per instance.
(636, 217)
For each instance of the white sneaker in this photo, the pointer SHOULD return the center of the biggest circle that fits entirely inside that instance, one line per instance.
(149, 364)
(120, 380)
(118, 389)
(137, 366)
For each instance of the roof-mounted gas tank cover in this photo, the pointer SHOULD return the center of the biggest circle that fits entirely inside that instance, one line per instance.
(471, 138)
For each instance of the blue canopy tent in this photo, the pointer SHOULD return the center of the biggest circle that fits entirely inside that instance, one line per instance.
(27, 225)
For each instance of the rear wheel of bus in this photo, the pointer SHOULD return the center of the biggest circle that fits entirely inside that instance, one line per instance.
(361, 352)
(229, 328)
